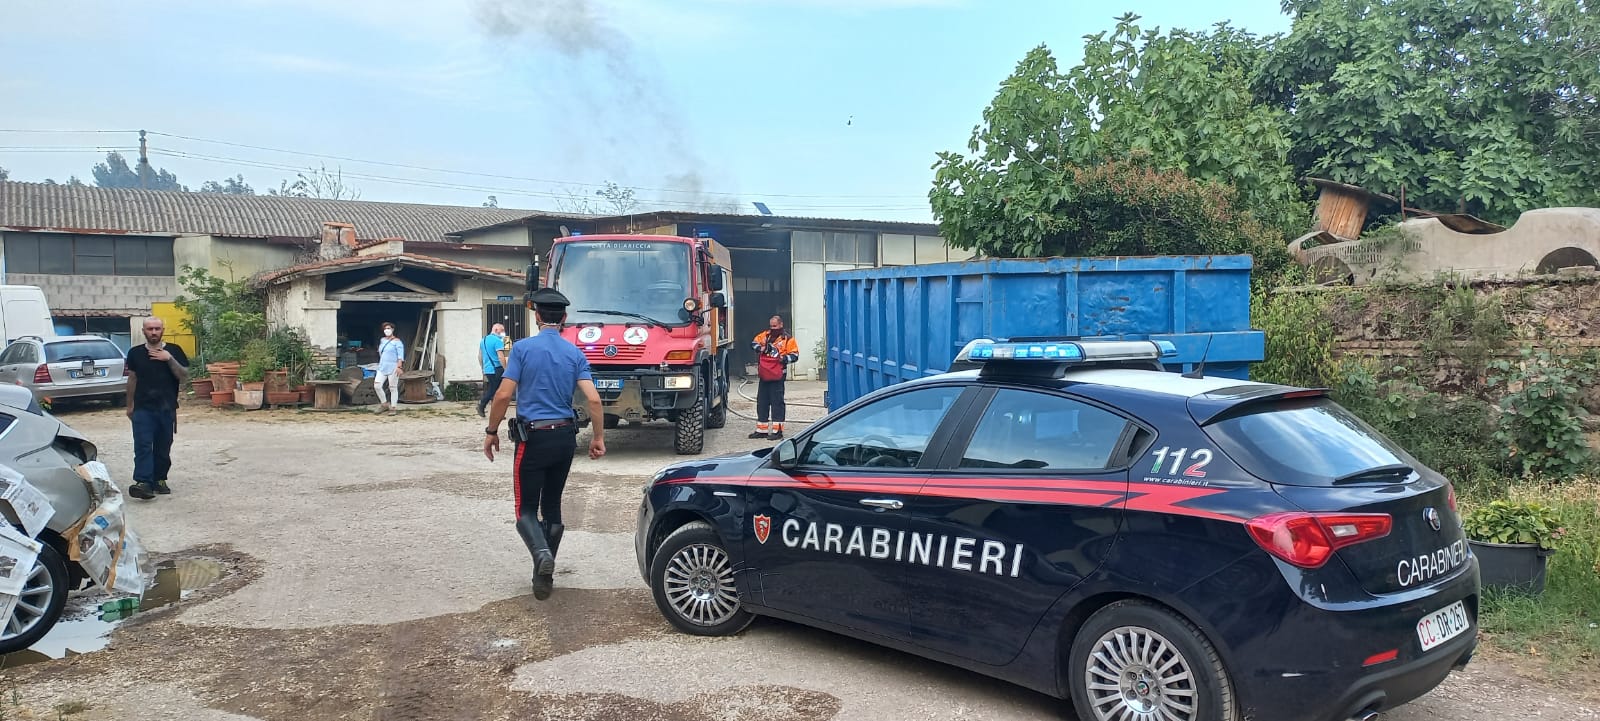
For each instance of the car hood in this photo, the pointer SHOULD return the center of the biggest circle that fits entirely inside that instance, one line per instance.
(737, 465)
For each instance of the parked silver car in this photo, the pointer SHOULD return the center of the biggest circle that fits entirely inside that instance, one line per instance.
(86, 534)
(69, 366)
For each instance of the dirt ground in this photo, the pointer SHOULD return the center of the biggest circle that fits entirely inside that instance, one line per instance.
(374, 573)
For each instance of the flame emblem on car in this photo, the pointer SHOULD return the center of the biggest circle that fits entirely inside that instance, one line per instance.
(763, 527)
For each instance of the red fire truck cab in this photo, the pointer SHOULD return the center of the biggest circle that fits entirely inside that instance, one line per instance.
(653, 314)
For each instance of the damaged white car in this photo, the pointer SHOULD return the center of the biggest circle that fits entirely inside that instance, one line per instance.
(65, 522)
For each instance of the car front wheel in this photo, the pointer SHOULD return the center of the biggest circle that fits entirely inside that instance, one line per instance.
(691, 577)
(1136, 660)
(39, 605)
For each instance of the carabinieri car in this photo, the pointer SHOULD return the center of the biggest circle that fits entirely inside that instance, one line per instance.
(1073, 519)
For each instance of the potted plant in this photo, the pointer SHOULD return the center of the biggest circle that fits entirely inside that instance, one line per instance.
(1513, 540)
(200, 382)
(253, 373)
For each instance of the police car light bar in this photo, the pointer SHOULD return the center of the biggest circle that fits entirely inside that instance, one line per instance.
(984, 350)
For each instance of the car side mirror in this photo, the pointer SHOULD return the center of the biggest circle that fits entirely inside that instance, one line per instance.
(715, 277)
(786, 455)
(718, 300)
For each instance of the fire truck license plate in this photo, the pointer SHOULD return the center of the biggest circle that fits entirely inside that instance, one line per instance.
(608, 384)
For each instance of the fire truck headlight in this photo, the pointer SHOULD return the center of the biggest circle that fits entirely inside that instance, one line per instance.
(691, 305)
(678, 382)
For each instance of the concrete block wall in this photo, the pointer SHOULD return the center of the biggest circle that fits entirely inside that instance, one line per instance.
(131, 293)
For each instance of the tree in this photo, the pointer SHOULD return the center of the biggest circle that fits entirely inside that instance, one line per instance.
(492, 202)
(321, 183)
(613, 199)
(1482, 106)
(1143, 110)
(4, 174)
(115, 173)
(228, 186)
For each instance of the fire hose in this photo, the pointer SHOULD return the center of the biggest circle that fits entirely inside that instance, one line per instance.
(740, 390)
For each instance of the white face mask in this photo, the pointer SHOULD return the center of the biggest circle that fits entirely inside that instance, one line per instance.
(388, 331)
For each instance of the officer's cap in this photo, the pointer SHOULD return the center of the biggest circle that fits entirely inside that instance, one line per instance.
(549, 298)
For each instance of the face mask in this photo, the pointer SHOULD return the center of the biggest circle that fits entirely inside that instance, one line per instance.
(388, 331)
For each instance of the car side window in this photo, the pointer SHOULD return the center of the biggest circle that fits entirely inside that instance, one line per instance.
(892, 432)
(26, 353)
(1025, 429)
(9, 356)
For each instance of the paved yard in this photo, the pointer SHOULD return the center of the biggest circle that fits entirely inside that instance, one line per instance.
(374, 573)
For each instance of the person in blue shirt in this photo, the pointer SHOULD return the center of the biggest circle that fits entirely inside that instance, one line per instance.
(391, 355)
(489, 357)
(542, 375)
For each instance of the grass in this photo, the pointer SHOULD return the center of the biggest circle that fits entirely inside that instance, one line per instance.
(1561, 627)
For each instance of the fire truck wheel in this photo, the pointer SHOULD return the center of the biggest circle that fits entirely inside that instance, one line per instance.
(718, 417)
(691, 432)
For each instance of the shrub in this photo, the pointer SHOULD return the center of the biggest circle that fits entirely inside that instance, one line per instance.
(1542, 413)
(1514, 522)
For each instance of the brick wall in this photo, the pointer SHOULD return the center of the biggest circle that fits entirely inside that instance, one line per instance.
(125, 293)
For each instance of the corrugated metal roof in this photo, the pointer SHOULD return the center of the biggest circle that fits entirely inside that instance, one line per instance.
(118, 210)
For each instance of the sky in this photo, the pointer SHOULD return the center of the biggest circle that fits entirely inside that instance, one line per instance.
(828, 108)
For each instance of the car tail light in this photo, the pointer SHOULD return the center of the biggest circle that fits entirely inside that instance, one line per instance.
(1308, 540)
(1384, 657)
(41, 374)
(1451, 499)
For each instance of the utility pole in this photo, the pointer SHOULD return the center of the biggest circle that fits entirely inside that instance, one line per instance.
(144, 159)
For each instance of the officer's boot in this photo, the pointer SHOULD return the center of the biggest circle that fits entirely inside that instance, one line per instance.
(544, 562)
(553, 532)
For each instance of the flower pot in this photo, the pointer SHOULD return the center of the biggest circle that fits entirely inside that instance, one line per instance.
(202, 387)
(221, 398)
(224, 368)
(249, 399)
(277, 381)
(306, 394)
(224, 381)
(1511, 565)
(282, 398)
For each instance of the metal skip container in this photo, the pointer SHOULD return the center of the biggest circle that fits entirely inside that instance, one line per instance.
(893, 324)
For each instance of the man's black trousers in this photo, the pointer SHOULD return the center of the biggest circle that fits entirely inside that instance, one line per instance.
(769, 402)
(542, 464)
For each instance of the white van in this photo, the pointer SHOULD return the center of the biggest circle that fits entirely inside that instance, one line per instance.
(24, 311)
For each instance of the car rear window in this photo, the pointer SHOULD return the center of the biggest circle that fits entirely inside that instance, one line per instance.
(1304, 443)
(68, 350)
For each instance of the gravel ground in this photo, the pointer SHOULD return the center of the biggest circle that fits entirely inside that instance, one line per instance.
(374, 573)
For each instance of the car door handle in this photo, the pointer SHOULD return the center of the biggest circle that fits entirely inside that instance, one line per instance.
(889, 503)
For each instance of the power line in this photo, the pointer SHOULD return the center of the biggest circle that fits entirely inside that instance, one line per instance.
(18, 130)
(511, 177)
(486, 189)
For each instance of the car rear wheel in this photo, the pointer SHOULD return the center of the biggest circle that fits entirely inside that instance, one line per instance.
(39, 606)
(691, 577)
(1135, 661)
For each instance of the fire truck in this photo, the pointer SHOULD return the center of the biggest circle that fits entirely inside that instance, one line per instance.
(653, 314)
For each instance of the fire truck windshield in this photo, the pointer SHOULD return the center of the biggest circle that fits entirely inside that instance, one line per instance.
(608, 280)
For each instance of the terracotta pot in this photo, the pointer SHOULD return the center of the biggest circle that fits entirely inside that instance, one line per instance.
(282, 398)
(221, 398)
(223, 368)
(277, 381)
(224, 381)
(202, 387)
(306, 394)
(248, 399)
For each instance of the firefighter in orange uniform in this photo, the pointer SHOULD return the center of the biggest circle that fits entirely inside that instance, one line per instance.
(777, 350)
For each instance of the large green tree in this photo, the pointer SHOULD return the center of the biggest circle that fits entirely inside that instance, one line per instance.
(1482, 106)
(115, 173)
(1143, 109)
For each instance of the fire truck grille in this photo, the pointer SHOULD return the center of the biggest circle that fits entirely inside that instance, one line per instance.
(618, 352)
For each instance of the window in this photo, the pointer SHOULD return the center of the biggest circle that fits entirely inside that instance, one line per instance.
(892, 432)
(19, 353)
(1026, 429)
(807, 246)
(1305, 443)
(69, 254)
(72, 350)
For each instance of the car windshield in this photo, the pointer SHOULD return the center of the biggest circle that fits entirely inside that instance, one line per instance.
(1309, 443)
(639, 278)
(78, 350)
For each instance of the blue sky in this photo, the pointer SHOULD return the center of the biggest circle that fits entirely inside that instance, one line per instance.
(816, 107)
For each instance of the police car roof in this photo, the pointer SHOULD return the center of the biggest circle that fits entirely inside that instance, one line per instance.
(1150, 381)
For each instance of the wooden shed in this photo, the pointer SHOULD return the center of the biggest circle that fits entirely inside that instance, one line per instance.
(1342, 208)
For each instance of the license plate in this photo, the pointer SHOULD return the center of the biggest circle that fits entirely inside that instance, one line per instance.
(608, 384)
(1442, 625)
(101, 372)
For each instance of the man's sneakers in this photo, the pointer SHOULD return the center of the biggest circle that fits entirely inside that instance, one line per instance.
(775, 436)
(757, 435)
(146, 491)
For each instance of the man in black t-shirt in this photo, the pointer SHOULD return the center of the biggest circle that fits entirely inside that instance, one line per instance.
(155, 372)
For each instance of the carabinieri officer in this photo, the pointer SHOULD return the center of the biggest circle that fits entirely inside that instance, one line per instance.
(543, 374)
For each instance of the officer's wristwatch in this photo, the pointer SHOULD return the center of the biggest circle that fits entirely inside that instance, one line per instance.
(492, 431)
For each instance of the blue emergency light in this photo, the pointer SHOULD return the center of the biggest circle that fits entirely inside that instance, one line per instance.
(984, 350)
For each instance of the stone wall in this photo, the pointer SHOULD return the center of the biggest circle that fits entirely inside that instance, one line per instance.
(131, 294)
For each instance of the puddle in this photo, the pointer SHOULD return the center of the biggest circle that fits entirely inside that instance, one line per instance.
(90, 617)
